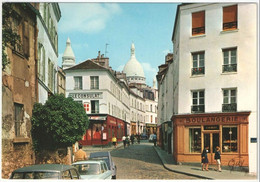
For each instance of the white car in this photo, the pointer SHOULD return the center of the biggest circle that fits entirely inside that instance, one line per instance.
(93, 169)
(151, 138)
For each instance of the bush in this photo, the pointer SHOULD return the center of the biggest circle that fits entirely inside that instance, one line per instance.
(59, 123)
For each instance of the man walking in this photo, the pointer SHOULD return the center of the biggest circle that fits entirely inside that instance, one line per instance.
(124, 140)
(80, 155)
(154, 139)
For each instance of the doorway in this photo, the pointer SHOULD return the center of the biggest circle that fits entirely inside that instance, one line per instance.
(212, 141)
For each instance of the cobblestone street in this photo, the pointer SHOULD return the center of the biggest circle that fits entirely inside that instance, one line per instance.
(140, 161)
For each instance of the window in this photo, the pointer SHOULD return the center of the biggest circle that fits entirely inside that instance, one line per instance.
(94, 82)
(198, 63)
(229, 100)
(229, 139)
(77, 83)
(151, 118)
(94, 106)
(17, 28)
(50, 75)
(151, 108)
(195, 140)
(198, 23)
(230, 17)
(18, 118)
(230, 60)
(197, 102)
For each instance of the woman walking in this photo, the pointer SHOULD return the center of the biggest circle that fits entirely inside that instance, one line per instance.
(204, 159)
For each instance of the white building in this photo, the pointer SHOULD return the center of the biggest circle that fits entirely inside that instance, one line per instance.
(215, 82)
(47, 24)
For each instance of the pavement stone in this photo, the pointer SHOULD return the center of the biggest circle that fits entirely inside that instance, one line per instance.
(170, 164)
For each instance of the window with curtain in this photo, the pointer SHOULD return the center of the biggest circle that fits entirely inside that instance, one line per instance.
(229, 139)
(77, 83)
(198, 60)
(229, 60)
(230, 17)
(198, 23)
(198, 102)
(94, 80)
(229, 100)
(94, 106)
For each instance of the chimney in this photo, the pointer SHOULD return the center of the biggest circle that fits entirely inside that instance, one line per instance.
(98, 54)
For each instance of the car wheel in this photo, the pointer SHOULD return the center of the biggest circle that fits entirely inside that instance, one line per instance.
(114, 177)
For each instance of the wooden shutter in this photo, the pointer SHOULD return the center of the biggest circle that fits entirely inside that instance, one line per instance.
(26, 38)
(198, 19)
(230, 14)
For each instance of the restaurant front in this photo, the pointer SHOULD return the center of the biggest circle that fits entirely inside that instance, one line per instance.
(192, 133)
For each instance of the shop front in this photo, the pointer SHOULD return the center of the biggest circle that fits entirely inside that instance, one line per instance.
(229, 131)
(133, 128)
(101, 130)
(151, 129)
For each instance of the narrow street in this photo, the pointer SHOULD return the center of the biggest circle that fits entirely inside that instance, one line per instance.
(140, 161)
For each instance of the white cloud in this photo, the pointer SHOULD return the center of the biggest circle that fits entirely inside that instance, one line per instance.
(87, 17)
(149, 72)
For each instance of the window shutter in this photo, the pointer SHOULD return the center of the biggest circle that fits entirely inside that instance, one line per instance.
(230, 14)
(26, 38)
(198, 19)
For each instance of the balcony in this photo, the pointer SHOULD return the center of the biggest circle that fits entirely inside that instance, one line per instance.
(229, 68)
(198, 71)
(199, 30)
(230, 25)
(198, 109)
(229, 107)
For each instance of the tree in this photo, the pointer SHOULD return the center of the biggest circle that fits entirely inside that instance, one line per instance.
(59, 123)
(9, 37)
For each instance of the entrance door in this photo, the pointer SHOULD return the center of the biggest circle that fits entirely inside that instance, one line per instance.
(212, 141)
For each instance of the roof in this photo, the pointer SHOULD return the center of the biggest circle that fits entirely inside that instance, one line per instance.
(89, 162)
(99, 154)
(87, 65)
(44, 167)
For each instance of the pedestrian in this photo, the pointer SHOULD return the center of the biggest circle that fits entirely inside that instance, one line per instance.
(154, 139)
(138, 139)
(124, 140)
(204, 159)
(80, 155)
(114, 141)
(132, 137)
(218, 158)
(128, 140)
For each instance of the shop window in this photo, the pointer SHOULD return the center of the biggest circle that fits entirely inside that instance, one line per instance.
(97, 131)
(198, 23)
(77, 83)
(230, 60)
(230, 17)
(94, 80)
(229, 139)
(18, 114)
(94, 106)
(198, 64)
(198, 102)
(195, 140)
(229, 100)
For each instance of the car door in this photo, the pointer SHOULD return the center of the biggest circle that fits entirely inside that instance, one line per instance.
(107, 174)
(74, 174)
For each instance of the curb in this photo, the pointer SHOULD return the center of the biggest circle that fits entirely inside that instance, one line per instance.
(181, 172)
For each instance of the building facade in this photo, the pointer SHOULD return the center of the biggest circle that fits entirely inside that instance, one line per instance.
(47, 23)
(19, 89)
(214, 83)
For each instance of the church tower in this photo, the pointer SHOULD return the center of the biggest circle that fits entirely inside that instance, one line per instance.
(68, 58)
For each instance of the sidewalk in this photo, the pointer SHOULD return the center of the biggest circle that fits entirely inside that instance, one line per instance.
(168, 163)
(91, 149)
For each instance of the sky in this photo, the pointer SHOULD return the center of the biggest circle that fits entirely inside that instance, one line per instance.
(91, 26)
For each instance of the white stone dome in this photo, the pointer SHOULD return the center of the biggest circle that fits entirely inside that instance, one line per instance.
(133, 68)
(68, 53)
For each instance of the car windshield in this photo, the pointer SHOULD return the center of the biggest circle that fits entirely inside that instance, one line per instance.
(88, 169)
(36, 175)
(102, 158)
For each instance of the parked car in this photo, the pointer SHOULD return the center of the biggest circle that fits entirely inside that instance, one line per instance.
(106, 156)
(151, 138)
(93, 169)
(46, 171)
(144, 136)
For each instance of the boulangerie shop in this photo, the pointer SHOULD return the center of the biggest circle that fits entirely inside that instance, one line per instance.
(191, 133)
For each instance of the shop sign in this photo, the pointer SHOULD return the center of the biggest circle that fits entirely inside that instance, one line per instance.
(151, 125)
(112, 122)
(90, 95)
(215, 127)
(219, 119)
(97, 118)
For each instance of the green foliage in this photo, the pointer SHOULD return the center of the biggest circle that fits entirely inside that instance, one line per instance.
(59, 123)
(8, 35)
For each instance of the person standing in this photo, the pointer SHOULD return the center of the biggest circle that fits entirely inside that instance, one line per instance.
(80, 155)
(128, 140)
(204, 159)
(132, 137)
(124, 140)
(114, 141)
(154, 139)
(218, 158)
